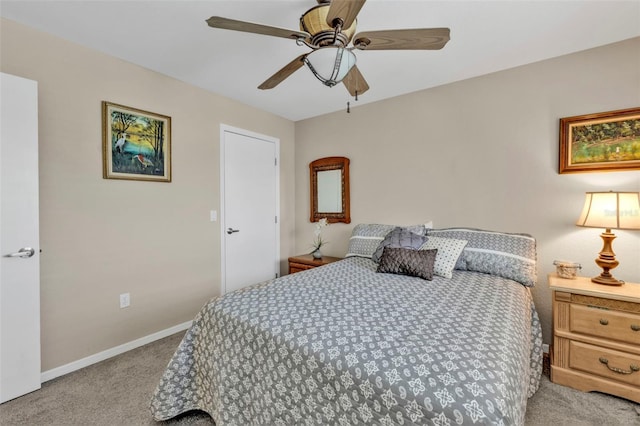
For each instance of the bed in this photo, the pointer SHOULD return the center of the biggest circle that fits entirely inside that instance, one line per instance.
(346, 344)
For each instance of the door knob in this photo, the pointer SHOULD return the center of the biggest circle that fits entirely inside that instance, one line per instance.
(23, 253)
(231, 231)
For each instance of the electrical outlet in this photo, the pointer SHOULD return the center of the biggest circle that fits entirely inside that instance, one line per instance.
(545, 348)
(125, 300)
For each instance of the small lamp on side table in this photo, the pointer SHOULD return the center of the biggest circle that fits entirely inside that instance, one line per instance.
(610, 210)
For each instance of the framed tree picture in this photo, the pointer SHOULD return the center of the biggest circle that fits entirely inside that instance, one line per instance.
(136, 144)
(605, 141)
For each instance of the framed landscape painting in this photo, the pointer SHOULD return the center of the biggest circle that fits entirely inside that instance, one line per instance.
(606, 141)
(136, 144)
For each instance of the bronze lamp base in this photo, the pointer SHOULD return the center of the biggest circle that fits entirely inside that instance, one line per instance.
(601, 279)
(607, 261)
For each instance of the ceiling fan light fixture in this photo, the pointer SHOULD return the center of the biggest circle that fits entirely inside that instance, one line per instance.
(330, 64)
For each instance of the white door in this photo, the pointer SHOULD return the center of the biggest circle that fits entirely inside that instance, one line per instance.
(249, 196)
(19, 238)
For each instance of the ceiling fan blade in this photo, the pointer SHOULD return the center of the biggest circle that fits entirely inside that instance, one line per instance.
(345, 10)
(411, 39)
(355, 82)
(250, 27)
(285, 72)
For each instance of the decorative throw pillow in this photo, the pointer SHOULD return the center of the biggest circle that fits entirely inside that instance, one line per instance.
(449, 250)
(506, 255)
(403, 261)
(366, 237)
(399, 237)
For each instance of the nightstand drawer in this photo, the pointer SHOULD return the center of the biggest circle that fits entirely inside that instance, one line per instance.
(307, 261)
(298, 267)
(620, 366)
(621, 326)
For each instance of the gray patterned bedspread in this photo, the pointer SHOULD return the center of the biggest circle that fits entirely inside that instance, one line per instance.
(342, 344)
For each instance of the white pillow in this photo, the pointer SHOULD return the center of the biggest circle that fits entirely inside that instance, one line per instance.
(449, 250)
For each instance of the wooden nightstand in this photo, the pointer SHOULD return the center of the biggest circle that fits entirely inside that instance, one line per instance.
(596, 342)
(307, 261)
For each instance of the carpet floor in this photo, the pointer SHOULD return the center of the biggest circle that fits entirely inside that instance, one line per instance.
(117, 392)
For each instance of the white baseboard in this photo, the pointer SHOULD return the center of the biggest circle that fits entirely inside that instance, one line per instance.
(101, 356)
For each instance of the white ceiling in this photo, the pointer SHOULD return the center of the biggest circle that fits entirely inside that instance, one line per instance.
(171, 37)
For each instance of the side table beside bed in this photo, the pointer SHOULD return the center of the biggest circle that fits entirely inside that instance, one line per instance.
(596, 342)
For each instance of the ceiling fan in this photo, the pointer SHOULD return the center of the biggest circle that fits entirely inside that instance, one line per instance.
(328, 28)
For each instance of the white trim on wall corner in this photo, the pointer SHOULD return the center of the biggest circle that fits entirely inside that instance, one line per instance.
(109, 353)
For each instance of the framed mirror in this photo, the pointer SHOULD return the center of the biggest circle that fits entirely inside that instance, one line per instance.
(329, 190)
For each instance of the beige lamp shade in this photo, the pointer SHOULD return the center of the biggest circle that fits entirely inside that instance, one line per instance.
(611, 210)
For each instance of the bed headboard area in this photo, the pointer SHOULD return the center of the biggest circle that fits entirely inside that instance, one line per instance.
(506, 255)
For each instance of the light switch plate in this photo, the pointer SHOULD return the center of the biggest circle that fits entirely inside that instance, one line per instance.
(125, 300)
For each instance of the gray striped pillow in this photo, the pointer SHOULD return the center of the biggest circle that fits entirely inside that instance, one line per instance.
(506, 255)
(366, 237)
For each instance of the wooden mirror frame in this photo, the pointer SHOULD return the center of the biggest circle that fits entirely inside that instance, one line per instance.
(325, 164)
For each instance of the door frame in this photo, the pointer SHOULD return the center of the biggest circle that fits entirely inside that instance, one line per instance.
(223, 254)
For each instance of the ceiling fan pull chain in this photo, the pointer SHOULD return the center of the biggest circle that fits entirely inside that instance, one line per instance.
(348, 108)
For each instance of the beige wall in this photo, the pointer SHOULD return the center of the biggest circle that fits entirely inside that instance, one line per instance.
(481, 153)
(103, 237)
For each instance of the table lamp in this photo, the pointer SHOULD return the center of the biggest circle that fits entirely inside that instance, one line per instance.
(610, 210)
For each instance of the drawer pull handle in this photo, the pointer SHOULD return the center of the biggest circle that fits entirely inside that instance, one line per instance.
(632, 368)
(604, 321)
(635, 327)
